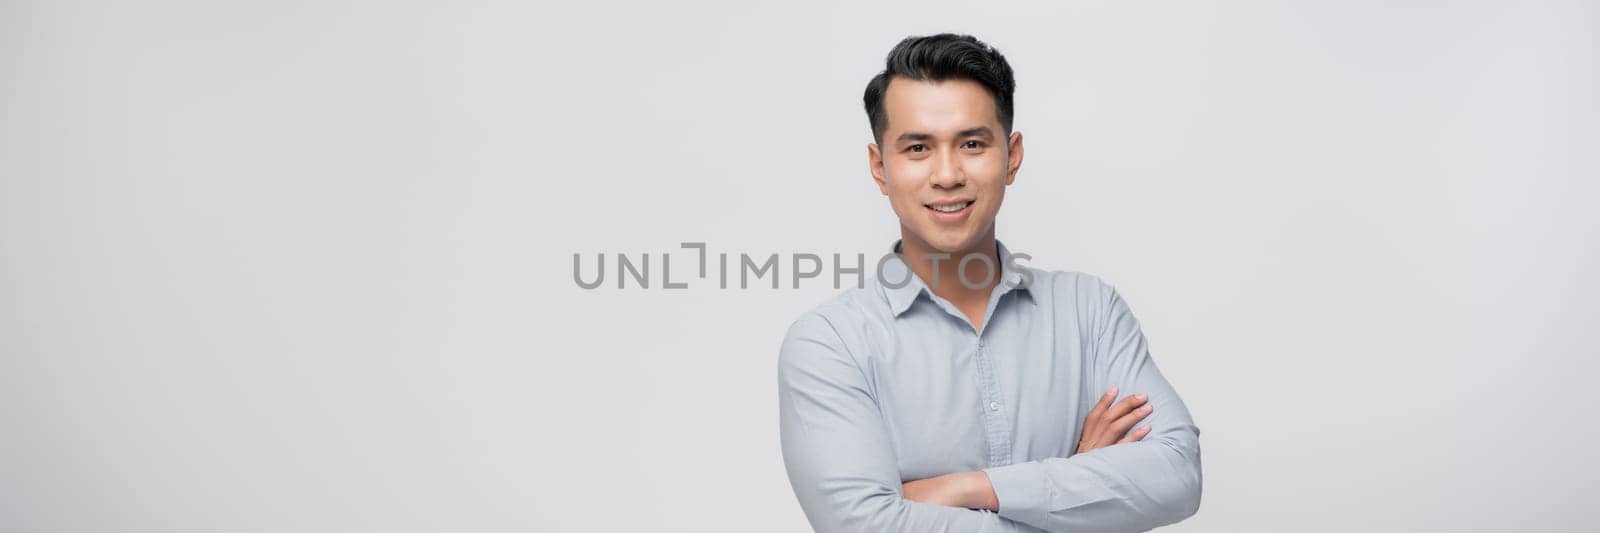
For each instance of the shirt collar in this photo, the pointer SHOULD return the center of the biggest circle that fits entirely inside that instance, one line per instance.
(900, 298)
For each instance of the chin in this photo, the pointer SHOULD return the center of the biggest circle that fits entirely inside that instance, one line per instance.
(951, 243)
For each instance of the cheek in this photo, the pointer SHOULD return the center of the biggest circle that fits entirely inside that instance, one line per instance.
(904, 180)
(904, 200)
(989, 172)
(902, 170)
(990, 165)
(998, 197)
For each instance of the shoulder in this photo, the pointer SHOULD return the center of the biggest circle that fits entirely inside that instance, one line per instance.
(1067, 289)
(839, 324)
(1081, 301)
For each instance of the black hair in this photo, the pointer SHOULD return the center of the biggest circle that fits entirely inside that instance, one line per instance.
(938, 58)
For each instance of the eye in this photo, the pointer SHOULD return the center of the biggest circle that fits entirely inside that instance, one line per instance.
(972, 145)
(917, 148)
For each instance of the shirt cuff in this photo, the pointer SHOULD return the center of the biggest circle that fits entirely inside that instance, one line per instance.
(1021, 489)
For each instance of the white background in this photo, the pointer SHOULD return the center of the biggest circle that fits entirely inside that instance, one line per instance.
(280, 266)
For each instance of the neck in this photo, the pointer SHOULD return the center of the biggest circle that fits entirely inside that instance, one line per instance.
(927, 262)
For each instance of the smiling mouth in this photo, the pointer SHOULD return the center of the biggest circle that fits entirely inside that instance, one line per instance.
(950, 208)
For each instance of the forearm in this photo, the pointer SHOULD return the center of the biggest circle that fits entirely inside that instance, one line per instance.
(892, 513)
(970, 490)
(1133, 486)
(1118, 488)
(837, 499)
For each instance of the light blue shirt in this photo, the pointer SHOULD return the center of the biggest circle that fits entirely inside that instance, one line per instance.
(883, 385)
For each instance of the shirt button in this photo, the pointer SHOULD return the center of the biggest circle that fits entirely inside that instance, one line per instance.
(994, 406)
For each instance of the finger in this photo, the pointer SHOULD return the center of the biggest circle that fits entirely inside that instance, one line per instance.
(1105, 434)
(1097, 413)
(1136, 434)
(1120, 426)
(1127, 405)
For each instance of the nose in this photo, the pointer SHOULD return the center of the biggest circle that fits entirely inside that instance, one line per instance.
(947, 172)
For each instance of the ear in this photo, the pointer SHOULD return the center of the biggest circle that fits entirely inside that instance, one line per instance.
(875, 162)
(1013, 156)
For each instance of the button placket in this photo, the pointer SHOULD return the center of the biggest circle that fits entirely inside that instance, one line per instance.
(997, 435)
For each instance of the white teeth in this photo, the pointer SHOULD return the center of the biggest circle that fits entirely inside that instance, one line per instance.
(950, 208)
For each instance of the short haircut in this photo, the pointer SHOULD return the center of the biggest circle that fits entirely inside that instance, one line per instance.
(937, 58)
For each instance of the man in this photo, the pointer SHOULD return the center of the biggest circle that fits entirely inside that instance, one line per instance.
(980, 394)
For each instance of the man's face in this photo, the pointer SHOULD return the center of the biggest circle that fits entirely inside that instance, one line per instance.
(944, 161)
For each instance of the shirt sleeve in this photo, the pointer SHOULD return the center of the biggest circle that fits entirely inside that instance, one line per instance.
(837, 451)
(1134, 486)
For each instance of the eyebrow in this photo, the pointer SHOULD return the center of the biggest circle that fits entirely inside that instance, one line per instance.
(980, 131)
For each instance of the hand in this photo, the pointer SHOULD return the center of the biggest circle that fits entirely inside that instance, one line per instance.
(961, 489)
(1107, 424)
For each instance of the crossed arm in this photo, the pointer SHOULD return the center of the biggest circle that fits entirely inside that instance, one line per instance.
(843, 469)
(1108, 423)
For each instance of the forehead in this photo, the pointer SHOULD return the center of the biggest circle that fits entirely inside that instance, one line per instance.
(937, 106)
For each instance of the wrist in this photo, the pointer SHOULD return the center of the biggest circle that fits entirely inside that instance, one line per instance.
(977, 492)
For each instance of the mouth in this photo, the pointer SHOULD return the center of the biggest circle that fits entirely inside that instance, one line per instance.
(950, 210)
